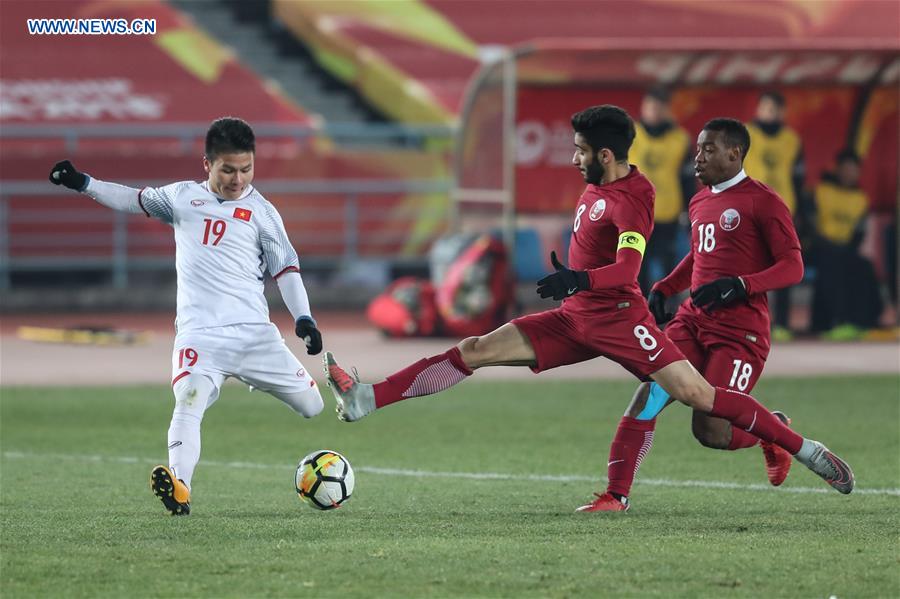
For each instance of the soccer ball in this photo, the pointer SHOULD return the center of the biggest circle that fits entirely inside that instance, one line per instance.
(324, 479)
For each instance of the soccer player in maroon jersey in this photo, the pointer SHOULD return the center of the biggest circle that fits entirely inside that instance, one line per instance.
(743, 244)
(604, 313)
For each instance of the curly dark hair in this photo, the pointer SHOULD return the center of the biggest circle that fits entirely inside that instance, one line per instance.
(606, 126)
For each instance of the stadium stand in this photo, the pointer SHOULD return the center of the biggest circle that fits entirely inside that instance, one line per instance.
(414, 59)
(417, 62)
(135, 109)
(835, 62)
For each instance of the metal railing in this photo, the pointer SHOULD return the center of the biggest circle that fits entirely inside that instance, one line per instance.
(350, 211)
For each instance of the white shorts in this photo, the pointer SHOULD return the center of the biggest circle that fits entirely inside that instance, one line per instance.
(253, 353)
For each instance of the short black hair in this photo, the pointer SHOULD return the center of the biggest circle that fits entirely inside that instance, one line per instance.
(775, 96)
(734, 132)
(605, 126)
(229, 135)
(845, 155)
(660, 93)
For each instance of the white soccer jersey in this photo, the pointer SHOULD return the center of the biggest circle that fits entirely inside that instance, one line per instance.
(223, 249)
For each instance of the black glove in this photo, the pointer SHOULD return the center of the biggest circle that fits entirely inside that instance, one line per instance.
(306, 330)
(657, 302)
(64, 173)
(564, 282)
(719, 293)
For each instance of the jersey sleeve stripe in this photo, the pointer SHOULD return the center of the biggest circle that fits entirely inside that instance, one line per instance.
(286, 270)
(179, 377)
(141, 204)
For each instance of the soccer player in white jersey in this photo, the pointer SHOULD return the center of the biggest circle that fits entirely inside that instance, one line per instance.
(226, 237)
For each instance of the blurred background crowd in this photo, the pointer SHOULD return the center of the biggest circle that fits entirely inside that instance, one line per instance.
(383, 126)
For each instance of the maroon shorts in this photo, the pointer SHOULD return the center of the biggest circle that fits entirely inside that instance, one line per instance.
(733, 360)
(627, 335)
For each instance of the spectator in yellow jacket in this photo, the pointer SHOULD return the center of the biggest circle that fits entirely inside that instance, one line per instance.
(846, 294)
(662, 150)
(776, 159)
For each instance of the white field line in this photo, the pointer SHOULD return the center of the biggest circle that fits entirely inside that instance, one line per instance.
(488, 476)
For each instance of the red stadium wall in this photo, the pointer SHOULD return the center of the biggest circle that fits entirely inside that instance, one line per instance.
(823, 116)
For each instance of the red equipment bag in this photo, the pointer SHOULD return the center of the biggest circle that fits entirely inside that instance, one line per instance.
(406, 309)
(474, 294)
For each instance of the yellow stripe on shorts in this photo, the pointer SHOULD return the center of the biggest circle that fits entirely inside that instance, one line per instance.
(633, 240)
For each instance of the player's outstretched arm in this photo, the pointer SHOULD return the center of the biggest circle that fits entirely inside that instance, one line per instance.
(565, 281)
(297, 301)
(111, 195)
(64, 173)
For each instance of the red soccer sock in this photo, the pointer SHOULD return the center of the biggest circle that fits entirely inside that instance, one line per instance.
(632, 442)
(425, 377)
(748, 414)
(741, 439)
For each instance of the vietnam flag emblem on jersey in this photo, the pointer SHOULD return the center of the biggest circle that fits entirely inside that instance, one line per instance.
(243, 214)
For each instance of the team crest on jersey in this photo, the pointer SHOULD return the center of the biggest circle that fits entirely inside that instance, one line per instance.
(730, 220)
(597, 209)
(196, 203)
(301, 373)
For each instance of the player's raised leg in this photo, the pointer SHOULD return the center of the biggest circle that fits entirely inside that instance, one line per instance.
(503, 346)
(172, 484)
(684, 383)
(506, 346)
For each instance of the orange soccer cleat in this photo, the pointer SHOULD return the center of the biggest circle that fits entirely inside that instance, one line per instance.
(778, 460)
(172, 491)
(605, 503)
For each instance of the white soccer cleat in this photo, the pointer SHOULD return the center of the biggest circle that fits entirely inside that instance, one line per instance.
(835, 471)
(354, 399)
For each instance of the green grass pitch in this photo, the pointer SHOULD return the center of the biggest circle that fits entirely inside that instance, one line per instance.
(78, 519)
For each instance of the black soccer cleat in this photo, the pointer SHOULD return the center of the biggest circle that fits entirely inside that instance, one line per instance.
(174, 494)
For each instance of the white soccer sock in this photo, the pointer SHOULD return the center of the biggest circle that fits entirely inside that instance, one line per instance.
(184, 446)
(193, 394)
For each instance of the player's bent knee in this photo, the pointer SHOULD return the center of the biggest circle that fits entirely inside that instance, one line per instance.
(687, 386)
(307, 403)
(709, 433)
(193, 393)
(471, 351)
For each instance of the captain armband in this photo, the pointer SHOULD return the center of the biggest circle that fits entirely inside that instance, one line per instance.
(633, 240)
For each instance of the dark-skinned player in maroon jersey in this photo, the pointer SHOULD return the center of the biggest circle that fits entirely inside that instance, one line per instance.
(603, 312)
(743, 244)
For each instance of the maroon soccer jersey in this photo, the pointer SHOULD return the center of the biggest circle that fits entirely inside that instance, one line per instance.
(603, 213)
(744, 231)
